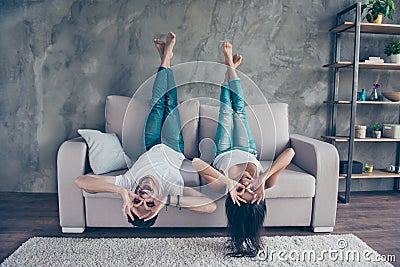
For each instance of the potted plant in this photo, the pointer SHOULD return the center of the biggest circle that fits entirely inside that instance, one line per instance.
(376, 9)
(392, 50)
(377, 130)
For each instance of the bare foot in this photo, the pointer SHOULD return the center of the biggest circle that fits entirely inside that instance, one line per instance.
(160, 44)
(237, 60)
(227, 49)
(169, 45)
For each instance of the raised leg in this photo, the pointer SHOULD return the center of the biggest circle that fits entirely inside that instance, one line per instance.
(154, 122)
(242, 136)
(171, 131)
(223, 136)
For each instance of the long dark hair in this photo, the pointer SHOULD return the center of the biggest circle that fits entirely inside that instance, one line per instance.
(244, 225)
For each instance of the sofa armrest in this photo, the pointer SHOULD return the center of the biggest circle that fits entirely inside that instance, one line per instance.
(71, 163)
(322, 161)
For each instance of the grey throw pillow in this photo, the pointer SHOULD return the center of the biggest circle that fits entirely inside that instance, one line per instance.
(105, 151)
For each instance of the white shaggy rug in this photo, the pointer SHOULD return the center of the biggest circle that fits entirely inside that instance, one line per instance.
(315, 250)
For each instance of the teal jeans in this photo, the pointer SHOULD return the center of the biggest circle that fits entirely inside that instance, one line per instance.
(163, 125)
(233, 130)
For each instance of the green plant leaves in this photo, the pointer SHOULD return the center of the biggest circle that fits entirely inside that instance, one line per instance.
(375, 7)
(392, 48)
(387, 11)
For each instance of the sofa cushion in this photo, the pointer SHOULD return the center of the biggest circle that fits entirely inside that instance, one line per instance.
(268, 123)
(126, 116)
(105, 151)
(293, 182)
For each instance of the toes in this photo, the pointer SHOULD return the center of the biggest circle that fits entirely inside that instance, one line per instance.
(171, 35)
(157, 41)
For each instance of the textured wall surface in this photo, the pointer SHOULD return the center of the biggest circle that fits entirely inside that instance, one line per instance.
(59, 59)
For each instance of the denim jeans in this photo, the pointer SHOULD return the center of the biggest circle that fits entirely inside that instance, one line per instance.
(163, 125)
(233, 130)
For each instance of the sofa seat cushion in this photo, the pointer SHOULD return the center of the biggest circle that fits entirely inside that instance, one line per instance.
(100, 195)
(293, 182)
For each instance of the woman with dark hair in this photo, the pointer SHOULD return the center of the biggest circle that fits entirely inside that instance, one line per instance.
(237, 167)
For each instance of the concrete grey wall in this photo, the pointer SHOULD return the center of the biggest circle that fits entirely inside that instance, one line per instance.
(59, 59)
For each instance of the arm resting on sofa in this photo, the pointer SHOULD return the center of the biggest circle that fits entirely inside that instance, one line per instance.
(322, 161)
(71, 163)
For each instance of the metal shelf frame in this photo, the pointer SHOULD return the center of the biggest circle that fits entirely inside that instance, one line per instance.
(356, 27)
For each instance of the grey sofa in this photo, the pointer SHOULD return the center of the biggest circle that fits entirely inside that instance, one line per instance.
(305, 195)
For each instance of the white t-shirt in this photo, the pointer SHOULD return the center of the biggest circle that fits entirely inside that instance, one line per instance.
(233, 157)
(161, 162)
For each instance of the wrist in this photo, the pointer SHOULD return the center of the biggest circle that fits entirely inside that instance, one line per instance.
(163, 199)
(176, 201)
(120, 190)
(230, 183)
(258, 182)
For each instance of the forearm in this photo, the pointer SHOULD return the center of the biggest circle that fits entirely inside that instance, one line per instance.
(209, 173)
(270, 176)
(201, 204)
(260, 180)
(97, 185)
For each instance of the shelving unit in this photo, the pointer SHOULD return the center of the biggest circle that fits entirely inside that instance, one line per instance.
(374, 174)
(368, 139)
(357, 28)
(363, 65)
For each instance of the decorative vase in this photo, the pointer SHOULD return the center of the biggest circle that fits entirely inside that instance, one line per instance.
(374, 95)
(395, 59)
(378, 20)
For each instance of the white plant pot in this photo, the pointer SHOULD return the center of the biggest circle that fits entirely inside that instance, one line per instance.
(395, 59)
(377, 134)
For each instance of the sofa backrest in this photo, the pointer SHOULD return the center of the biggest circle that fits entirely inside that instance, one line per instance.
(268, 123)
(126, 116)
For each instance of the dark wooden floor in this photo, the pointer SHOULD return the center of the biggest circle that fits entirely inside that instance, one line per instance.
(372, 216)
